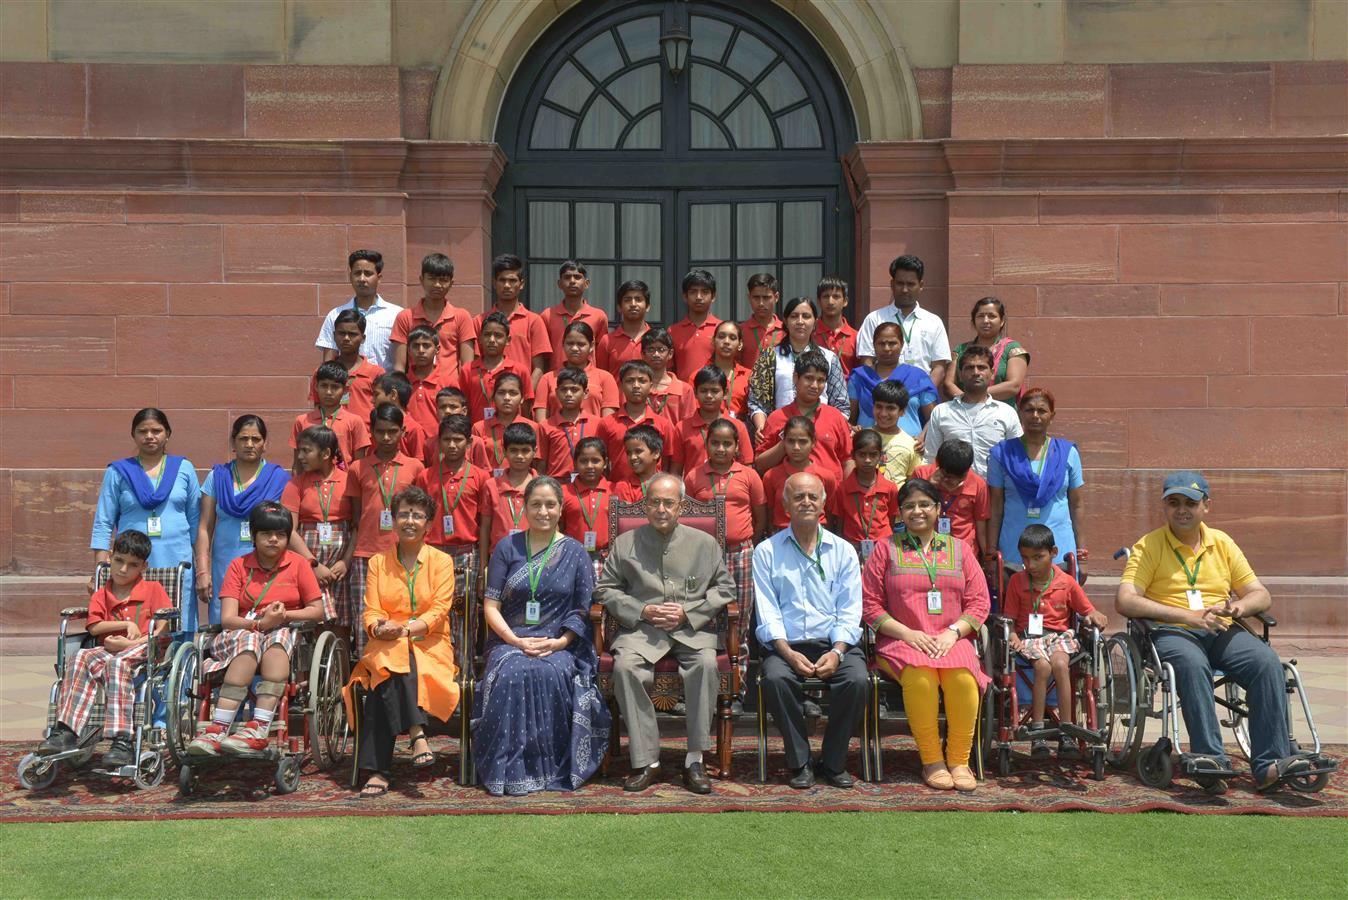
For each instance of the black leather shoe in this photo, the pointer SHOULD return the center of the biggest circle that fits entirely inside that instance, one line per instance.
(640, 779)
(804, 778)
(838, 779)
(696, 780)
(60, 740)
(119, 754)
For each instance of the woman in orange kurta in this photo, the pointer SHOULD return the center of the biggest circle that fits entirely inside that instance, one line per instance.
(408, 666)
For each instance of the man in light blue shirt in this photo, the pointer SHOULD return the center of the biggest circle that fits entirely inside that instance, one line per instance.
(364, 268)
(807, 583)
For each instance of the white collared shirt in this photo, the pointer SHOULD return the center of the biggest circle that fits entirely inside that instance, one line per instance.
(926, 342)
(378, 326)
(984, 425)
(794, 603)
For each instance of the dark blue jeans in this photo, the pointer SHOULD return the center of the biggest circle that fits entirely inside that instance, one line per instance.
(1247, 661)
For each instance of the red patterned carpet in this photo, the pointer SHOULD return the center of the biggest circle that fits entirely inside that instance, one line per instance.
(245, 791)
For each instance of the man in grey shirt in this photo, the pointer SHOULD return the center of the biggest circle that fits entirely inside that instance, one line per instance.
(975, 417)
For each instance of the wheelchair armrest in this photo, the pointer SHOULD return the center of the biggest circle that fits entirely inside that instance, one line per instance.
(75, 612)
(305, 627)
(1266, 620)
(597, 626)
(210, 629)
(166, 615)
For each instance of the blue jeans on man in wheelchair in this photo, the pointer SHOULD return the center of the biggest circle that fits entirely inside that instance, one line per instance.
(1246, 660)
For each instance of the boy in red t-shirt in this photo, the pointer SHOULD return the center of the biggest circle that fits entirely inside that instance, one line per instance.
(395, 389)
(833, 434)
(601, 398)
(763, 330)
(692, 335)
(643, 448)
(572, 420)
(458, 487)
(671, 396)
(550, 445)
(865, 507)
(453, 325)
(352, 436)
(965, 507)
(503, 500)
(479, 377)
(723, 475)
(121, 616)
(529, 346)
(1040, 601)
(709, 386)
(585, 499)
(623, 343)
(348, 333)
(798, 440)
(427, 375)
(635, 381)
(834, 332)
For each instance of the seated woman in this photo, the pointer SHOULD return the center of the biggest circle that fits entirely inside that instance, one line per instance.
(924, 595)
(262, 593)
(407, 668)
(540, 722)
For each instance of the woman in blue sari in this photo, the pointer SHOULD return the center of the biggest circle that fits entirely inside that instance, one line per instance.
(539, 722)
(1035, 480)
(154, 492)
(228, 495)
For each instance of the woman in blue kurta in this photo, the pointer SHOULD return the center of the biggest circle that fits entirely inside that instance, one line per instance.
(540, 723)
(154, 492)
(228, 495)
(1035, 480)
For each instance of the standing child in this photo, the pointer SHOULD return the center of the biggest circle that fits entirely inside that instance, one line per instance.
(450, 401)
(833, 447)
(395, 389)
(727, 343)
(671, 396)
(723, 474)
(479, 378)
(370, 489)
(508, 400)
(635, 381)
(348, 333)
(577, 344)
(121, 619)
(623, 343)
(643, 448)
(901, 455)
(529, 347)
(965, 504)
(709, 386)
(503, 499)
(571, 419)
(574, 282)
(692, 336)
(585, 500)
(798, 443)
(1040, 601)
(834, 332)
(865, 507)
(352, 436)
(459, 487)
(321, 510)
(427, 375)
(453, 325)
(763, 330)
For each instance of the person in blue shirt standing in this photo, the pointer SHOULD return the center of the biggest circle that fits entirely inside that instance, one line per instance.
(228, 495)
(153, 492)
(807, 582)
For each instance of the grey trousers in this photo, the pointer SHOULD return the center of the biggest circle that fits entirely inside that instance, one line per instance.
(632, 676)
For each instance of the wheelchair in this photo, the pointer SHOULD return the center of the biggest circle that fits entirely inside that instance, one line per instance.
(154, 744)
(1145, 689)
(1082, 706)
(310, 721)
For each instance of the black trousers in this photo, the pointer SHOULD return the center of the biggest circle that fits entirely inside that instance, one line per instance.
(785, 696)
(390, 710)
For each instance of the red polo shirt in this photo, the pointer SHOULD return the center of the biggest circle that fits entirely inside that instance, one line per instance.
(600, 395)
(550, 454)
(616, 348)
(458, 494)
(505, 504)
(358, 399)
(585, 425)
(758, 339)
(454, 325)
(692, 345)
(372, 480)
(479, 384)
(586, 509)
(832, 434)
(292, 582)
(692, 442)
(865, 513)
(966, 506)
(352, 433)
(842, 341)
(743, 491)
(145, 599)
(528, 337)
(309, 492)
(421, 407)
(612, 430)
(557, 318)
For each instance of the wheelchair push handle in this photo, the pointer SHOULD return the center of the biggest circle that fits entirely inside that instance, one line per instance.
(1123, 553)
(75, 612)
(166, 615)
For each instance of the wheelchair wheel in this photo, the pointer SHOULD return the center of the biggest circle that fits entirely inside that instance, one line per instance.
(1156, 767)
(36, 772)
(288, 775)
(1309, 784)
(1121, 697)
(181, 714)
(149, 770)
(187, 780)
(325, 716)
(1239, 724)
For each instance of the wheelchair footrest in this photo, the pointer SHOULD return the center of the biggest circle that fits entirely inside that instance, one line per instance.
(1186, 768)
(1048, 732)
(1077, 733)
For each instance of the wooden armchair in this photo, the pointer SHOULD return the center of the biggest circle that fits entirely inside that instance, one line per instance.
(667, 688)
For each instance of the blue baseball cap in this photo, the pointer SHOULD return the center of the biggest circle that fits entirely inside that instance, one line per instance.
(1190, 484)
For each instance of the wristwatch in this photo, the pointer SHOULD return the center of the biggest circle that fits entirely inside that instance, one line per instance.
(955, 627)
(838, 653)
(313, 562)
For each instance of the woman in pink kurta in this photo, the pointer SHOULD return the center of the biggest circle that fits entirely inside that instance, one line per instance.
(925, 597)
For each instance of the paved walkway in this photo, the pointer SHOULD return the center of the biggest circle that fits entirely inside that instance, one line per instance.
(26, 680)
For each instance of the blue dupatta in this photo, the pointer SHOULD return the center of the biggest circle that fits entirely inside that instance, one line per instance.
(270, 481)
(147, 495)
(1036, 490)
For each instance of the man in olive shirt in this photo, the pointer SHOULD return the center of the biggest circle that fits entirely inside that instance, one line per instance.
(665, 583)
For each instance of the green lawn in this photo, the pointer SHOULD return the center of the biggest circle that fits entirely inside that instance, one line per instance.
(727, 855)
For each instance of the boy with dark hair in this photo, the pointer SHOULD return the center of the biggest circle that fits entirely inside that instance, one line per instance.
(763, 330)
(572, 420)
(865, 507)
(574, 282)
(458, 487)
(692, 336)
(552, 458)
(503, 499)
(529, 347)
(834, 332)
(833, 436)
(623, 343)
(453, 325)
(427, 376)
(478, 379)
(965, 506)
(348, 332)
(352, 437)
(671, 396)
(709, 387)
(121, 620)
(901, 456)
(635, 382)
(643, 447)
(394, 389)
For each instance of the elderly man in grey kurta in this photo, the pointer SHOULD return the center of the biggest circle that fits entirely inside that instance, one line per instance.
(665, 583)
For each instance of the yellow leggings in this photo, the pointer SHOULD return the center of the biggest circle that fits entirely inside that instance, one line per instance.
(920, 700)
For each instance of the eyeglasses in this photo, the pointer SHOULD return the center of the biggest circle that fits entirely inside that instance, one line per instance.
(411, 515)
(919, 506)
(659, 503)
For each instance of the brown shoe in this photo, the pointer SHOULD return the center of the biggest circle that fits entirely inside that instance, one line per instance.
(640, 779)
(696, 780)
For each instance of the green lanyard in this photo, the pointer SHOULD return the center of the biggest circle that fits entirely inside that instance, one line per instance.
(388, 494)
(870, 520)
(930, 566)
(536, 575)
(1042, 591)
(906, 332)
(1198, 564)
(327, 419)
(514, 515)
(725, 484)
(160, 477)
(412, 587)
(444, 497)
(590, 516)
(234, 473)
(496, 451)
(1043, 452)
(818, 559)
(322, 504)
(266, 587)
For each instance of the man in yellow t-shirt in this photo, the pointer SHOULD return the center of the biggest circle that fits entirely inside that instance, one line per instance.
(1181, 577)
